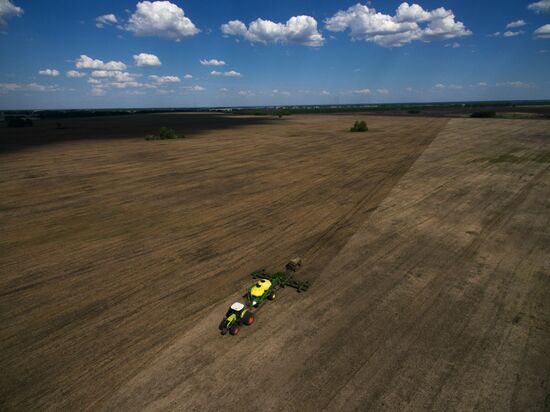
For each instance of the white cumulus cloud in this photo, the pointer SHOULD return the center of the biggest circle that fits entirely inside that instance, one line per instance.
(543, 32)
(510, 33)
(195, 88)
(75, 74)
(49, 72)
(97, 91)
(212, 62)
(516, 24)
(188, 77)
(277, 92)
(363, 91)
(234, 28)
(105, 20)
(297, 30)
(542, 6)
(160, 19)
(35, 87)
(164, 79)
(515, 84)
(145, 59)
(85, 62)
(8, 10)
(124, 85)
(410, 23)
(9, 87)
(411, 13)
(230, 73)
(29, 87)
(116, 75)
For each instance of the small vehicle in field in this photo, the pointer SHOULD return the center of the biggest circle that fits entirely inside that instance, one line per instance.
(237, 315)
(264, 289)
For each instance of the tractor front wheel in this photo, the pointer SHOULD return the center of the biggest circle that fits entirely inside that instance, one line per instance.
(271, 296)
(234, 330)
(249, 319)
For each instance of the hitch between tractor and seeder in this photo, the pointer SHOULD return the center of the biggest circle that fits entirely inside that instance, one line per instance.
(264, 289)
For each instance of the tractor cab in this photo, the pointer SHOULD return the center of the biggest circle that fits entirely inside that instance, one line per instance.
(235, 308)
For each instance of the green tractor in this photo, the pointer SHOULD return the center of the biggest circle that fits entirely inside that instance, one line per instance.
(236, 316)
(264, 289)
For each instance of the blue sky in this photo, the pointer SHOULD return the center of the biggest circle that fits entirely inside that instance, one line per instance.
(93, 54)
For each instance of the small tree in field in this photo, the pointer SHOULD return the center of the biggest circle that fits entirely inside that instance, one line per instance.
(359, 126)
(167, 133)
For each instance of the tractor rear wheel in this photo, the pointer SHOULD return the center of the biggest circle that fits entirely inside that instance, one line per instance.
(234, 330)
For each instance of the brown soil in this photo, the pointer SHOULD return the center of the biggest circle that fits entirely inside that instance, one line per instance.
(429, 266)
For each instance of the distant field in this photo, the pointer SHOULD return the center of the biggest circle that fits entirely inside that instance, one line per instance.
(530, 109)
(425, 240)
